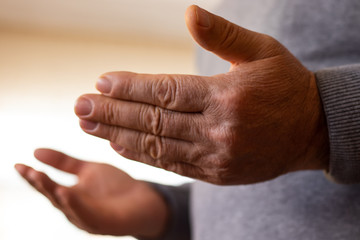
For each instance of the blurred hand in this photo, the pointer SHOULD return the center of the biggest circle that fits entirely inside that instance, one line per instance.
(261, 119)
(104, 201)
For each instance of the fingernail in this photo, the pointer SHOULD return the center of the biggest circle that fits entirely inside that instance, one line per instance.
(83, 107)
(88, 125)
(103, 85)
(202, 17)
(116, 147)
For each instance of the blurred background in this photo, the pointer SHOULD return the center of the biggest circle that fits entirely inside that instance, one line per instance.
(50, 53)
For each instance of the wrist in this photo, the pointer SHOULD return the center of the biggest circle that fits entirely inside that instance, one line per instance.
(318, 153)
(156, 224)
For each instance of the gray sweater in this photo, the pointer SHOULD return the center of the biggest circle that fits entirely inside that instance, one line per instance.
(325, 36)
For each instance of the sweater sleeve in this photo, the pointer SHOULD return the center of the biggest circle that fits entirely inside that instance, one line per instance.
(177, 199)
(339, 89)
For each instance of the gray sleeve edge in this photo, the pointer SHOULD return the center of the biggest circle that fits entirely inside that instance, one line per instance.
(339, 89)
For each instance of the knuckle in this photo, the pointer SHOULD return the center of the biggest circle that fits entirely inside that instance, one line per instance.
(151, 118)
(236, 97)
(146, 117)
(230, 36)
(224, 136)
(156, 124)
(131, 89)
(113, 134)
(165, 91)
(123, 84)
(154, 146)
(110, 113)
(228, 99)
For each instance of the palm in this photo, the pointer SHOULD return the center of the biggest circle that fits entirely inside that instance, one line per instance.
(105, 200)
(105, 193)
(103, 181)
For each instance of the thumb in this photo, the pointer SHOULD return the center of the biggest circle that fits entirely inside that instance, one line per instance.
(227, 40)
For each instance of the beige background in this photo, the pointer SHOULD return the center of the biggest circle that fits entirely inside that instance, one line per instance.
(50, 53)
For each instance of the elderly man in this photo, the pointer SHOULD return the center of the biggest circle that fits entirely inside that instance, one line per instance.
(281, 110)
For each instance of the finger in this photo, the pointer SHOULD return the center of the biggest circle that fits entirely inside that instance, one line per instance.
(157, 147)
(227, 40)
(181, 168)
(208, 172)
(59, 160)
(50, 189)
(142, 117)
(41, 182)
(184, 93)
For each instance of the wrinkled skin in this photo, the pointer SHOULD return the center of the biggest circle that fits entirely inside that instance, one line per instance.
(261, 119)
(104, 201)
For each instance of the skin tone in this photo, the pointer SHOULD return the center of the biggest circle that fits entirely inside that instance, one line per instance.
(258, 121)
(105, 200)
(261, 119)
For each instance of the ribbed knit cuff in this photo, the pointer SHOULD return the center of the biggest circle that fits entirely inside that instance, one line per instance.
(178, 200)
(340, 93)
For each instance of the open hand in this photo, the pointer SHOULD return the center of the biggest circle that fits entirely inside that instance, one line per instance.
(104, 201)
(261, 119)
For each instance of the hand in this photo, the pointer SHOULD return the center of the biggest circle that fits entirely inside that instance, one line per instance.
(261, 119)
(104, 201)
